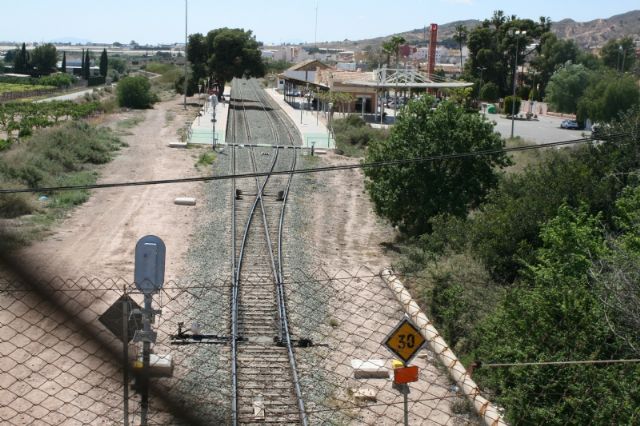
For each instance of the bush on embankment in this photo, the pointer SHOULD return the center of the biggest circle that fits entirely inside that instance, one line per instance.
(54, 157)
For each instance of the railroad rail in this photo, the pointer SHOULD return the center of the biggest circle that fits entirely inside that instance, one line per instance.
(265, 385)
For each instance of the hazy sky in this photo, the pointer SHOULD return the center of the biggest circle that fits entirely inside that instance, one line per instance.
(161, 21)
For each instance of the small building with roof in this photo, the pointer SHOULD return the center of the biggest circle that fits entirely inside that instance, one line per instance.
(366, 89)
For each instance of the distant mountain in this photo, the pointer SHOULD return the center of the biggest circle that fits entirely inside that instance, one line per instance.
(70, 40)
(597, 32)
(590, 34)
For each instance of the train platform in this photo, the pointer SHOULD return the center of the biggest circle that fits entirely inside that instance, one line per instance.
(203, 130)
(310, 124)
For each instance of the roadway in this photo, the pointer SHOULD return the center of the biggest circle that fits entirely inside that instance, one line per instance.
(543, 130)
(69, 96)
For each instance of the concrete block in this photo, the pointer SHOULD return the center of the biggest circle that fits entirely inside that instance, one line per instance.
(370, 369)
(159, 365)
(258, 408)
(185, 201)
(365, 395)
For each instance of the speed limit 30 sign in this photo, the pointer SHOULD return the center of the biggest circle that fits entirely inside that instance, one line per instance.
(405, 340)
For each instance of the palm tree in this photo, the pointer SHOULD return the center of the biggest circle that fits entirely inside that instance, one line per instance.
(393, 46)
(460, 36)
(498, 19)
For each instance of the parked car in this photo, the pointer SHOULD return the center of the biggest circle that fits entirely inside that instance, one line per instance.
(570, 124)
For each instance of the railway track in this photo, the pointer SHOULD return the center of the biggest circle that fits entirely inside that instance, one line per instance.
(265, 386)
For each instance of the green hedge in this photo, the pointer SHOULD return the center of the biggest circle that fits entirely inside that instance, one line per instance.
(96, 81)
(56, 80)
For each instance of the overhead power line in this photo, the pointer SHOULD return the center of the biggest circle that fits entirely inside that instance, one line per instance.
(373, 165)
(552, 363)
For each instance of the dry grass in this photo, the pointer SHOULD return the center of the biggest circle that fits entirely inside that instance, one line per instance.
(523, 159)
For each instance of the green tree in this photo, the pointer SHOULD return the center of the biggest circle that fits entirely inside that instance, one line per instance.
(566, 87)
(410, 194)
(554, 53)
(82, 62)
(104, 63)
(10, 57)
(589, 60)
(555, 315)
(374, 56)
(505, 229)
(198, 54)
(489, 92)
(509, 106)
(493, 45)
(86, 67)
(44, 59)
(609, 95)
(22, 60)
(117, 64)
(63, 68)
(225, 53)
(135, 92)
(619, 55)
(392, 47)
(460, 36)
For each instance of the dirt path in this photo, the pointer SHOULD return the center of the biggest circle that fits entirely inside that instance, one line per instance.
(348, 243)
(97, 240)
(346, 232)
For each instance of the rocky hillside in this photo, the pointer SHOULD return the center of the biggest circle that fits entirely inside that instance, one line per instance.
(596, 33)
(590, 34)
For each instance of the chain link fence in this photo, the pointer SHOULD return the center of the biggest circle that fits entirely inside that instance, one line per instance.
(63, 358)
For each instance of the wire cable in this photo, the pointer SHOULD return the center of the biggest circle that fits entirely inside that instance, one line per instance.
(547, 363)
(373, 165)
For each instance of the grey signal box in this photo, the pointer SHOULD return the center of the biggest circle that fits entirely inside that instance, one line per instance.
(149, 267)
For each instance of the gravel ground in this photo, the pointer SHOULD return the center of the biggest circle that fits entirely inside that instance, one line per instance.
(329, 229)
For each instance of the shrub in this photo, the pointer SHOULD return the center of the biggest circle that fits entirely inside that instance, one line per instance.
(135, 92)
(353, 135)
(96, 81)
(490, 92)
(192, 86)
(59, 80)
(523, 92)
(508, 104)
(15, 205)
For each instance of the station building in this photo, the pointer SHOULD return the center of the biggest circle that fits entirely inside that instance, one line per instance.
(368, 90)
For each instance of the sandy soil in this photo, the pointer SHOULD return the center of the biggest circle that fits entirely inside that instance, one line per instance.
(346, 233)
(350, 239)
(98, 238)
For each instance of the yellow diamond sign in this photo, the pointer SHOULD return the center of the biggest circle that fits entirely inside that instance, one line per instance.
(405, 340)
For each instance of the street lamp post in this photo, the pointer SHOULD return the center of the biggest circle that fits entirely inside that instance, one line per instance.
(329, 126)
(621, 51)
(481, 69)
(186, 41)
(515, 80)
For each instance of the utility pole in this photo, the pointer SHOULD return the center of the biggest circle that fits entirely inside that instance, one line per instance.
(315, 38)
(515, 80)
(186, 41)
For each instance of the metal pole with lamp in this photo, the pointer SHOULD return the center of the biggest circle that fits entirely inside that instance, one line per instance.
(186, 41)
(329, 126)
(619, 55)
(515, 80)
(481, 69)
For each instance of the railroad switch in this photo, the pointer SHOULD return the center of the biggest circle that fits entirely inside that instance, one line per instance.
(300, 343)
(183, 338)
